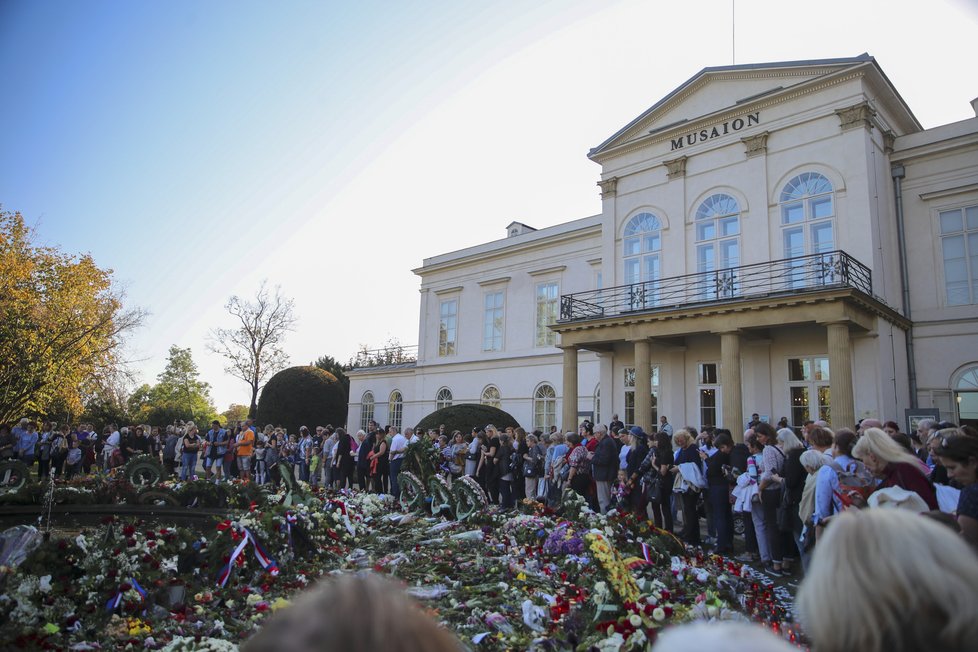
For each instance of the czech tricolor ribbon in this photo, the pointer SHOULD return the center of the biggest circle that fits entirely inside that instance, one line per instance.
(222, 577)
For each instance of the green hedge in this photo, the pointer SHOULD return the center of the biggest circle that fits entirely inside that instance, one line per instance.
(466, 416)
(302, 396)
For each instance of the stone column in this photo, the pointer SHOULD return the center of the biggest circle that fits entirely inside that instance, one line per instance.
(643, 384)
(730, 385)
(569, 414)
(842, 401)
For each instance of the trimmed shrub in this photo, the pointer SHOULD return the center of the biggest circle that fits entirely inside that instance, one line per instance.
(302, 396)
(466, 416)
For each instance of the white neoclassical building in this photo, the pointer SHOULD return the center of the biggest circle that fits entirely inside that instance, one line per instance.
(780, 238)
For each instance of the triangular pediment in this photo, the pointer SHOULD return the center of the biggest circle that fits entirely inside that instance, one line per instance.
(724, 88)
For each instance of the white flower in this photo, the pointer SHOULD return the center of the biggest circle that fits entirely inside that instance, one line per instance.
(659, 614)
(635, 620)
(44, 586)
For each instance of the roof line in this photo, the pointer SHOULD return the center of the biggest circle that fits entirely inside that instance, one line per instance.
(862, 58)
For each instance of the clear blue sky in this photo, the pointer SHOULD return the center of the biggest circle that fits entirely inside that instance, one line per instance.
(199, 147)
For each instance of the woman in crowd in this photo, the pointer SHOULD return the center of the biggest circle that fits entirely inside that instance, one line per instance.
(490, 468)
(639, 463)
(474, 454)
(378, 463)
(191, 446)
(888, 580)
(59, 450)
(458, 449)
(770, 489)
(533, 466)
(794, 483)
(664, 458)
(754, 465)
(554, 460)
(811, 461)
(501, 461)
(688, 453)
(887, 460)
(578, 476)
(522, 448)
(718, 491)
(959, 455)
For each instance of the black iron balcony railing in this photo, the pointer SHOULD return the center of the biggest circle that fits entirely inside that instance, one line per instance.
(833, 269)
(393, 353)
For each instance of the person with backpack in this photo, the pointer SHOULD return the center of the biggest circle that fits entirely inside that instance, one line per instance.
(895, 466)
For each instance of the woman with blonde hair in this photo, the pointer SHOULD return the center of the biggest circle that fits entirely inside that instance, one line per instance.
(897, 467)
(887, 580)
(687, 452)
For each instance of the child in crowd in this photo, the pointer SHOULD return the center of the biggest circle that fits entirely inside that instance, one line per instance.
(620, 492)
(73, 460)
(261, 469)
(315, 464)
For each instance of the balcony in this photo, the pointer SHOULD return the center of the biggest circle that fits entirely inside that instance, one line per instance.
(791, 276)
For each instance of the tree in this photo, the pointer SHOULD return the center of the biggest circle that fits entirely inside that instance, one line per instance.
(333, 366)
(179, 394)
(62, 324)
(302, 396)
(235, 412)
(253, 350)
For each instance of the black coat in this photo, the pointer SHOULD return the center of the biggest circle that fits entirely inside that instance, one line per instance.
(604, 464)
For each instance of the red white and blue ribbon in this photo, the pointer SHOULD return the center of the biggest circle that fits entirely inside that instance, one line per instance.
(263, 558)
(290, 520)
(645, 552)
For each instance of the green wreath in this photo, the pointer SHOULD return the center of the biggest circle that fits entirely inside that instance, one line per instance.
(441, 496)
(143, 470)
(469, 497)
(14, 475)
(412, 491)
(155, 497)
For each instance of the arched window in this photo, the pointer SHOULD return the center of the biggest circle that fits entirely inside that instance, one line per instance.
(807, 210)
(718, 244)
(491, 397)
(366, 410)
(443, 399)
(641, 256)
(544, 408)
(966, 396)
(395, 410)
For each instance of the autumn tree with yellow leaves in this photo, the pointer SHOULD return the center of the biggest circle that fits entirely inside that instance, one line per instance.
(62, 324)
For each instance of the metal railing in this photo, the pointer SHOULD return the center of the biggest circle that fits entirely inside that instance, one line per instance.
(389, 355)
(833, 269)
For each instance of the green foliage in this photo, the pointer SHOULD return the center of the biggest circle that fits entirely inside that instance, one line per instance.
(179, 394)
(466, 416)
(302, 396)
(235, 412)
(333, 366)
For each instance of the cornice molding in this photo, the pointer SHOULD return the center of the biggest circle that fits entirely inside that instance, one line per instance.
(708, 121)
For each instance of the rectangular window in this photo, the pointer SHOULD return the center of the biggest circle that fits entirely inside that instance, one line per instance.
(959, 249)
(547, 305)
(708, 393)
(808, 389)
(492, 328)
(629, 384)
(448, 327)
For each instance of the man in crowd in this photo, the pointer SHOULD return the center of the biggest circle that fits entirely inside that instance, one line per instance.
(604, 466)
(665, 426)
(244, 448)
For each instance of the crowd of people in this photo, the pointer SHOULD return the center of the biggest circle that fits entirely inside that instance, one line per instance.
(779, 488)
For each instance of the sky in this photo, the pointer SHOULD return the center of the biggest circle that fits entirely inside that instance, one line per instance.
(199, 148)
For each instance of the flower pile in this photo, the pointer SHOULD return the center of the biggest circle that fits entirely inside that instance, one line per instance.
(499, 580)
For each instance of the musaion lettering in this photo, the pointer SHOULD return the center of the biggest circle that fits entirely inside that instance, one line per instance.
(702, 135)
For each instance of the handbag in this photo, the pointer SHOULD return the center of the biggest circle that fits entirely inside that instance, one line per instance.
(653, 487)
(529, 469)
(783, 512)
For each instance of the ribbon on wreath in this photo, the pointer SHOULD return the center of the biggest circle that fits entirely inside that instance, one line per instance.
(115, 601)
(290, 520)
(267, 563)
(332, 505)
